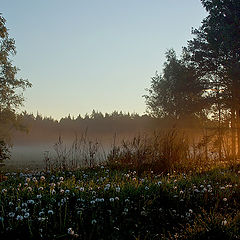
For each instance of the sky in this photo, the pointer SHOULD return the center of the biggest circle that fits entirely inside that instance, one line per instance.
(82, 55)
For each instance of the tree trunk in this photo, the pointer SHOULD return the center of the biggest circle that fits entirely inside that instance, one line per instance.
(233, 129)
(238, 132)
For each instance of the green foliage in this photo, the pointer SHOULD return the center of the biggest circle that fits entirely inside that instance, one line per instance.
(178, 92)
(10, 97)
(4, 151)
(214, 51)
(103, 204)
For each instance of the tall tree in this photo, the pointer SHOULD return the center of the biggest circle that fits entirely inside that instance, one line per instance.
(10, 95)
(215, 51)
(178, 92)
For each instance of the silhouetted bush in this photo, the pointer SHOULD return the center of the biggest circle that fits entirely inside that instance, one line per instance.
(160, 152)
(4, 151)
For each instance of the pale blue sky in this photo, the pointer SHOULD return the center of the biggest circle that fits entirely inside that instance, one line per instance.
(95, 54)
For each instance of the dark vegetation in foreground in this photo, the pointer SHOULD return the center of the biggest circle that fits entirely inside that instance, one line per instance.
(108, 203)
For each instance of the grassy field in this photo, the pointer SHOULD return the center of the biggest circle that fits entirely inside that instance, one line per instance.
(101, 203)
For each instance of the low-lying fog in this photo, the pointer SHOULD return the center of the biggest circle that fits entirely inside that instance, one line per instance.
(31, 153)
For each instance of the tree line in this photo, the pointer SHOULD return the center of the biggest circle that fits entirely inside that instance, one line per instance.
(205, 80)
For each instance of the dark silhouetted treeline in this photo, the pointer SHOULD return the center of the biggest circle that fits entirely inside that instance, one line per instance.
(97, 124)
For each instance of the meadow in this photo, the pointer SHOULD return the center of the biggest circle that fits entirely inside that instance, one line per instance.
(107, 203)
(147, 187)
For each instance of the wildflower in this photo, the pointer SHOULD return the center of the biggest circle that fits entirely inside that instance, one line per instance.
(40, 189)
(61, 178)
(19, 217)
(52, 191)
(159, 183)
(24, 204)
(146, 188)
(224, 199)
(4, 190)
(39, 196)
(17, 208)
(81, 189)
(116, 198)
(67, 191)
(224, 222)
(143, 213)
(70, 231)
(29, 189)
(92, 202)
(94, 221)
(28, 180)
(30, 201)
(26, 215)
(41, 213)
(10, 203)
(42, 178)
(118, 189)
(11, 214)
(50, 212)
(111, 199)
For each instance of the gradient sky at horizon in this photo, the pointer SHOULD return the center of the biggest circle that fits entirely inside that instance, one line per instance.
(82, 55)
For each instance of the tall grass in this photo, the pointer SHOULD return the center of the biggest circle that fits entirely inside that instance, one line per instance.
(83, 152)
(161, 151)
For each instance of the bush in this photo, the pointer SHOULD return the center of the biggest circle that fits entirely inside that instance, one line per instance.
(4, 151)
(160, 152)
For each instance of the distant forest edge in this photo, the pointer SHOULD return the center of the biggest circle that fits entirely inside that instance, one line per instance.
(97, 124)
